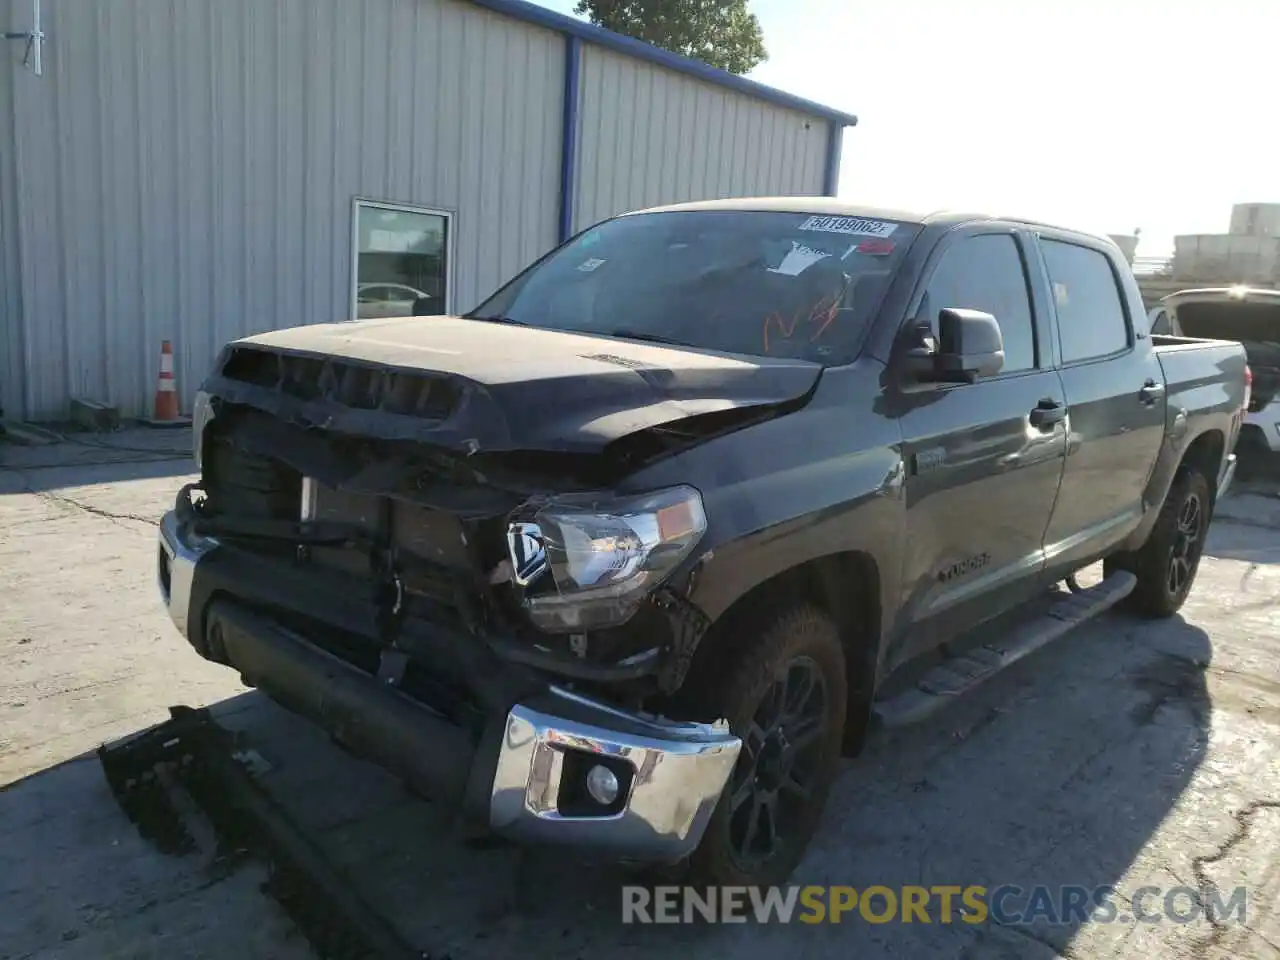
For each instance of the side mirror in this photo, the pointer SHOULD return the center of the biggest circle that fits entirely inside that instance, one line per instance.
(969, 346)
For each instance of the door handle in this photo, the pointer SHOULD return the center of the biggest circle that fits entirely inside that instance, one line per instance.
(1151, 392)
(1047, 412)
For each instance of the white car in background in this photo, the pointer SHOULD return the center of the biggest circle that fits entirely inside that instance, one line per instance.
(387, 300)
(1250, 316)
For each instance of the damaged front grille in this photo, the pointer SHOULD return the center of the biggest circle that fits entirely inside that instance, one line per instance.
(247, 484)
(351, 384)
(427, 552)
(414, 560)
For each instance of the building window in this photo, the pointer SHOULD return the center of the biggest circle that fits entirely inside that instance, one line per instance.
(401, 261)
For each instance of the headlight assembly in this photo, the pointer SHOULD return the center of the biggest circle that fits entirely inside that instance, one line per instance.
(588, 562)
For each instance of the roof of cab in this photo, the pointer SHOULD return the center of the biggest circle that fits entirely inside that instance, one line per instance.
(829, 206)
(826, 206)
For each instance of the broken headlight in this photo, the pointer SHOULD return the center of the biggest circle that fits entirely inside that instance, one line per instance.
(588, 563)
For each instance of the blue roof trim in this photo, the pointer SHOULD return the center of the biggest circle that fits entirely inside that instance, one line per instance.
(569, 134)
(532, 13)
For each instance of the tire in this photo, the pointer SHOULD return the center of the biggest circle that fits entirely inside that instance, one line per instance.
(761, 691)
(1166, 564)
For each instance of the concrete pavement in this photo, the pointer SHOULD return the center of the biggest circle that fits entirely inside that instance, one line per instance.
(1126, 754)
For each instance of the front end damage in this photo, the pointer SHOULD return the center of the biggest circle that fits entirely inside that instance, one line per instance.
(488, 626)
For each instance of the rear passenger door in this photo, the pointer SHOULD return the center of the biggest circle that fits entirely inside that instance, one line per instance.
(981, 476)
(1115, 403)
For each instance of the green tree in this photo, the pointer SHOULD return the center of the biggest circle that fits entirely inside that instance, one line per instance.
(722, 33)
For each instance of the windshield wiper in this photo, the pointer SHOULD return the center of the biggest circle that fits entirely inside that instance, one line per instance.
(497, 319)
(648, 337)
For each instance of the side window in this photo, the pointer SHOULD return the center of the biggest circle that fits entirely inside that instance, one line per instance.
(986, 273)
(1159, 322)
(1091, 317)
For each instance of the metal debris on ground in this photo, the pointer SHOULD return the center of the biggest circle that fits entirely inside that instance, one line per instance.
(191, 752)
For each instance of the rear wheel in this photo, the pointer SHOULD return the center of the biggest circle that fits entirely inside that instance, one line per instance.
(784, 694)
(1166, 564)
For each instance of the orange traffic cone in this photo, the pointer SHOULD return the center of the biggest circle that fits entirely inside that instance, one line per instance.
(166, 389)
(166, 406)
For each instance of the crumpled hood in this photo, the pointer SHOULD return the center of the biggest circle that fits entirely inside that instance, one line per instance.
(478, 386)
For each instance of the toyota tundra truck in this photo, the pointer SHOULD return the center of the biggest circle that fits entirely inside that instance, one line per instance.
(629, 557)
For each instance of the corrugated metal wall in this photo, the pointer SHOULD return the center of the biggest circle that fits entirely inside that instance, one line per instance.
(650, 136)
(11, 360)
(186, 169)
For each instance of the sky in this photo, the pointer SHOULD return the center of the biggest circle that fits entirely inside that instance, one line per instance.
(1105, 115)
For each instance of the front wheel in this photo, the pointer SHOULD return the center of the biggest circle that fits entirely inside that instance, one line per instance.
(1166, 564)
(784, 694)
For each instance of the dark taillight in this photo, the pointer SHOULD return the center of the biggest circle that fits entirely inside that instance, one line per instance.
(1248, 387)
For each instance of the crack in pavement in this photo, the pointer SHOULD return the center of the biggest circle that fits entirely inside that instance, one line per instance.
(1244, 819)
(1261, 936)
(116, 518)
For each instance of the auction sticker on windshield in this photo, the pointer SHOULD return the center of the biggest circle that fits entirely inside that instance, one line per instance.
(853, 226)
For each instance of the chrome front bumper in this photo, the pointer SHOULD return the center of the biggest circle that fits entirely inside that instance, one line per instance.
(672, 772)
(677, 771)
(176, 567)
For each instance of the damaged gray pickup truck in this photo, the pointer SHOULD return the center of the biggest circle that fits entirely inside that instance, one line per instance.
(628, 557)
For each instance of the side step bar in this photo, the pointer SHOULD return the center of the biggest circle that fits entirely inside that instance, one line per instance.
(960, 674)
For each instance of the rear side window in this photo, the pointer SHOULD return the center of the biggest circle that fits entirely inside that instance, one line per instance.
(1091, 317)
(985, 273)
(1158, 321)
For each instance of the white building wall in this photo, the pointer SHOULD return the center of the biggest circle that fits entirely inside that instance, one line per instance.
(1223, 258)
(1256, 219)
(649, 136)
(185, 169)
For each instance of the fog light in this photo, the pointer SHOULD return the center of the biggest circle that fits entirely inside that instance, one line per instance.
(602, 784)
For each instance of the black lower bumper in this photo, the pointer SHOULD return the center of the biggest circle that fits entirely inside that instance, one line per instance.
(429, 752)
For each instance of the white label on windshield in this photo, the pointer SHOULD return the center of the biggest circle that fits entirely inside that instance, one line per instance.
(799, 259)
(853, 226)
(588, 265)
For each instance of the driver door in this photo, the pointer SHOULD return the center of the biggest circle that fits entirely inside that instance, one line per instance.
(981, 479)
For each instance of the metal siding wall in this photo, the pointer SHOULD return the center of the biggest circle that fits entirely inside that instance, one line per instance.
(652, 136)
(186, 169)
(11, 344)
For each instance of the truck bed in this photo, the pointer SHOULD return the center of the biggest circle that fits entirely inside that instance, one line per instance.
(1194, 385)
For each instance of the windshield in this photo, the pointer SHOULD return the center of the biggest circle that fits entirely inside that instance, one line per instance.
(760, 283)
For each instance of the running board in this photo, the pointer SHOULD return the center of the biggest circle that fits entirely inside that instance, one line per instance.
(960, 674)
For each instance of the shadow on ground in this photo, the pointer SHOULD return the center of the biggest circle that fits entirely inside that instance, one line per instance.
(1057, 772)
(89, 459)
